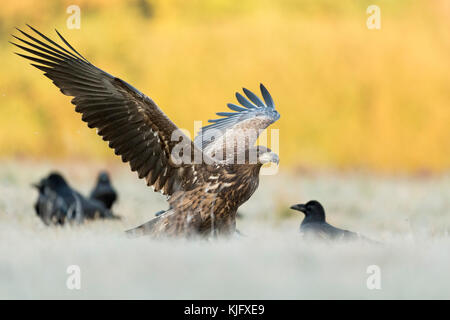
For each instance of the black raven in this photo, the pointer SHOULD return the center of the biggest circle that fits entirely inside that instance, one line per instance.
(58, 203)
(49, 206)
(104, 191)
(314, 224)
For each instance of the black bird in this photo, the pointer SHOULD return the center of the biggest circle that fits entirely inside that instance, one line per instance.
(49, 207)
(58, 203)
(315, 226)
(104, 191)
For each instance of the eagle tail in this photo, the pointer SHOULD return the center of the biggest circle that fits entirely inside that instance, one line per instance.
(146, 228)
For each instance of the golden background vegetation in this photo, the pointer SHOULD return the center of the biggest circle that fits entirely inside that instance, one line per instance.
(349, 97)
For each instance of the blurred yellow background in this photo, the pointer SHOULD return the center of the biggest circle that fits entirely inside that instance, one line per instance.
(349, 97)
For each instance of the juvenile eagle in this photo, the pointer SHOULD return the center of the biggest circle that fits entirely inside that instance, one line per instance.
(203, 195)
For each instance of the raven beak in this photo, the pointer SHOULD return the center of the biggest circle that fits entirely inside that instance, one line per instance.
(299, 207)
(36, 185)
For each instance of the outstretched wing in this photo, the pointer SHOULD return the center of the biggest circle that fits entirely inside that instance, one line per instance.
(243, 125)
(130, 121)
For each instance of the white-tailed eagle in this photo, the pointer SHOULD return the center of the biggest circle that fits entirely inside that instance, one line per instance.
(203, 195)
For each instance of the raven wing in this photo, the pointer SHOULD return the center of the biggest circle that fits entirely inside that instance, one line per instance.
(244, 125)
(131, 122)
(325, 231)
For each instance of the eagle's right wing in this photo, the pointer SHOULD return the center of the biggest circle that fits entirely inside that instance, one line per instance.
(240, 128)
(131, 122)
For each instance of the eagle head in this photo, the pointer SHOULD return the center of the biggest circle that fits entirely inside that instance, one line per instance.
(265, 155)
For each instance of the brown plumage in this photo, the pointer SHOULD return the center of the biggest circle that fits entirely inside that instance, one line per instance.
(203, 196)
(209, 208)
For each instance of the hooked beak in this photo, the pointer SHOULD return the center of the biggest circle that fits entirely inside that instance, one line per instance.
(299, 207)
(275, 158)
(269, 157)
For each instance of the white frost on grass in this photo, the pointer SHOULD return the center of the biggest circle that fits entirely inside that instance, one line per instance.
(409, 215)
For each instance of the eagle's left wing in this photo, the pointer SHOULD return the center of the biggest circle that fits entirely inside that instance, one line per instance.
(242, 126)
(134, 126)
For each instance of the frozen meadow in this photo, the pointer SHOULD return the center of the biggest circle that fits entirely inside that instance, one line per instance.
(409, 215)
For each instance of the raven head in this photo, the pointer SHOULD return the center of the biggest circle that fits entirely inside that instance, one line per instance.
(313, 209)
(103, 177)
(56, 181)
